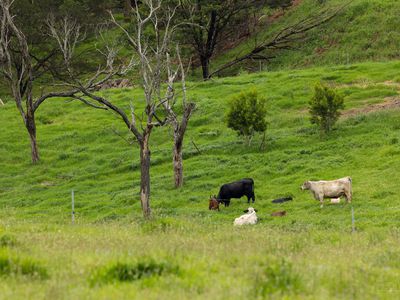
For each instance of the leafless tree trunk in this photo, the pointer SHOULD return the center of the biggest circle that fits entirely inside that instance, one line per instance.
(179, 134)
(31, 127)
(145, 173)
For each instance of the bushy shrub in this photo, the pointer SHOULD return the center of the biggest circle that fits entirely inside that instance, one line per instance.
(247, 114)
(12, 266)
(325, 107)
(125, 272)
(7, 240)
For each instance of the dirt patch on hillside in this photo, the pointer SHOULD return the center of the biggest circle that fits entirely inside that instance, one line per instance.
(364, 84)
(389, 103)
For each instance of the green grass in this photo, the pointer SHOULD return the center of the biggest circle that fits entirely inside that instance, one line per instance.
(15, 267)
(367, 30)
(310, 253)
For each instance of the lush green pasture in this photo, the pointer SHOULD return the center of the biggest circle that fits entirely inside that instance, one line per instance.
(310, 253)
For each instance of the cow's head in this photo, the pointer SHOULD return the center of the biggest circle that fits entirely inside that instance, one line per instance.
(306, 186)
(213, 203)
(250, 210)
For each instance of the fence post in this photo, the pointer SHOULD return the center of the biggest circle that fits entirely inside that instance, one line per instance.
(73, 207)
(353, 222)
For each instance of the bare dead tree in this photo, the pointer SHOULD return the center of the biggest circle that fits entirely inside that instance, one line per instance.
(153, 63)
(160, 56)
(21, 69)
(284, 39)
(151, 58)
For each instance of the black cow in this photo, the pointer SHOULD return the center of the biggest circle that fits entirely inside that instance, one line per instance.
(244, 187)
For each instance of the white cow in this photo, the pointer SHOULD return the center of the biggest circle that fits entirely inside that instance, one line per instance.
(330, 189)
(250, 218)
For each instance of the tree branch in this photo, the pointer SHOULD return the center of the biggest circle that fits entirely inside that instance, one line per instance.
(284, 38)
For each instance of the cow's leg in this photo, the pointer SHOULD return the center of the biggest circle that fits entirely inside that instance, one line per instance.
(253, 197)
(321, 200)
(228, 202)
(348, 197)
(248, 199)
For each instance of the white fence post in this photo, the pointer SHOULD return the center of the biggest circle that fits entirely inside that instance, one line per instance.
(73, 206)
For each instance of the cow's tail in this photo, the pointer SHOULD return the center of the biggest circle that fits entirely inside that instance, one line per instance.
(252, 185)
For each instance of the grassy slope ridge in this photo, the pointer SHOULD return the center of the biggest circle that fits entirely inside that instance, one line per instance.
(366, 30)
(308, 254)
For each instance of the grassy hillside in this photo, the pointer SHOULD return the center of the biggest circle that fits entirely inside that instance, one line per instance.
(310, 253)
(366, 30)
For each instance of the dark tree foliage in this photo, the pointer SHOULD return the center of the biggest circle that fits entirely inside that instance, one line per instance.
(31, 16)
(208, 22)
(279, 3)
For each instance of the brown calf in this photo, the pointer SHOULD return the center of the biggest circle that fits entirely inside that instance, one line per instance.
(279, 213)
(213, 203)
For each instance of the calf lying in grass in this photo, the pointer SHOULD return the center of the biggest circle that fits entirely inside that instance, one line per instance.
(250, 218)
(279, 213)
(282, 200)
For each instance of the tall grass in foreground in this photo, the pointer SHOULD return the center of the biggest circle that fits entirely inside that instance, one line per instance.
(205, 260)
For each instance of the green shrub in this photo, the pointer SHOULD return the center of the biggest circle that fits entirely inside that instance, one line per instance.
(125, 272)
(14, 266)
(325, 107)
(247, 114)
(7, 240)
